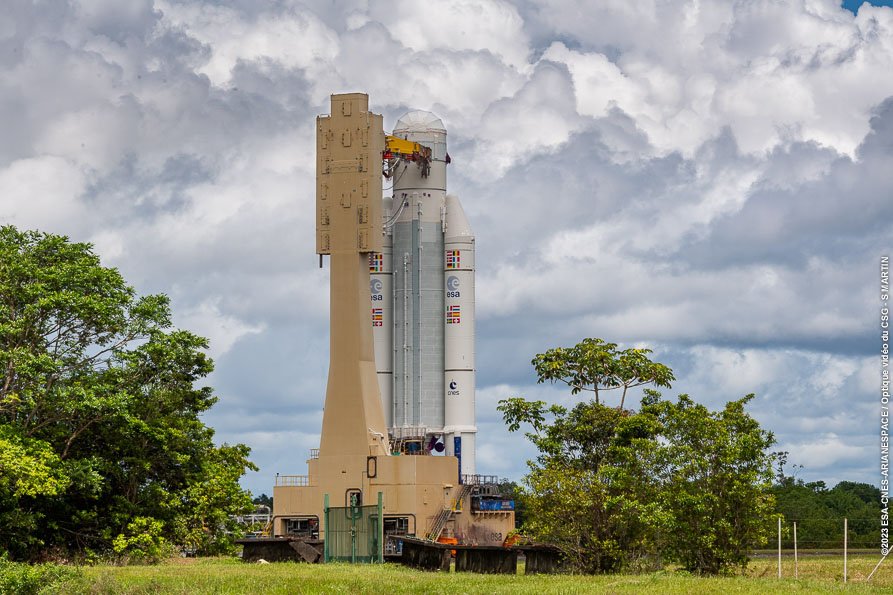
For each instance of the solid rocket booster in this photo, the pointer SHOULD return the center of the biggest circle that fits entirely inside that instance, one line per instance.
(422, 286)
(380, 287)
(458, 277)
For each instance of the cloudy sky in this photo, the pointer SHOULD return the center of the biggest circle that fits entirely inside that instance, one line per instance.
(711, 179)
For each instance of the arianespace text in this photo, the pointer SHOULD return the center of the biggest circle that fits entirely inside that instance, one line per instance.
(885, 404)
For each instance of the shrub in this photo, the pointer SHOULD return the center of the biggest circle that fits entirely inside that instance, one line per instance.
(25, 579)
(143, 541)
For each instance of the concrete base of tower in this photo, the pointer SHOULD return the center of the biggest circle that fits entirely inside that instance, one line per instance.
(421, 494)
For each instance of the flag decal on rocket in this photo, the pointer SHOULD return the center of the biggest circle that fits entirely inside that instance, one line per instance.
(453, 315)
(452, 259)
(377, 317)
(375, 262)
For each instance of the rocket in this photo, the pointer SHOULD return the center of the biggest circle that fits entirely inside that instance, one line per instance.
(422, 302)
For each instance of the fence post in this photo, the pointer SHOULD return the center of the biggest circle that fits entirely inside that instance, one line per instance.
(380, 528)
(779, 547)
(353, 528)
(796, 569)
(844, 548)
(325, 516)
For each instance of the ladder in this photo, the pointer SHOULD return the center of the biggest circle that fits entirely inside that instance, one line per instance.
(438, 524)
(444, 516)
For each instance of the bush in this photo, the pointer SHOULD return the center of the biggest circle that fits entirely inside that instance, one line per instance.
(25, 579)
(143, 541)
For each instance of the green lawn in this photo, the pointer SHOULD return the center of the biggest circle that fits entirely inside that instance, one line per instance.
(819, 574)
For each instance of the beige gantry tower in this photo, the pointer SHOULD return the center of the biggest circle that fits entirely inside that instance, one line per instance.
(348, 215)
(422, 494)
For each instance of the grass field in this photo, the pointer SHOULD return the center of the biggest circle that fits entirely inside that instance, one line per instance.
(818, 574)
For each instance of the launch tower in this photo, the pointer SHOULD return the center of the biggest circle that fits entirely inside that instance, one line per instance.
(384, 418)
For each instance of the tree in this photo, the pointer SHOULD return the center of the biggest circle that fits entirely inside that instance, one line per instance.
(596, 366)
(513, 491)
(98, 394)
(715, 472)
(263, 500)
(819, 512)
(615, 488)
(590, 491)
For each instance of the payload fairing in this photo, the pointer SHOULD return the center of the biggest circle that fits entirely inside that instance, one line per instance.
(422, 289)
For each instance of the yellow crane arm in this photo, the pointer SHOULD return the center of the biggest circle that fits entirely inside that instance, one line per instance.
(398, 147)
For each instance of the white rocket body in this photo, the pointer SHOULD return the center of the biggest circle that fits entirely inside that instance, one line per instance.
(381, 279)
(458, 278)
(423, 302)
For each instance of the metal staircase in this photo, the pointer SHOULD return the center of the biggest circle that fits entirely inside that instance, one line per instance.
(444, 516)
(438, 524)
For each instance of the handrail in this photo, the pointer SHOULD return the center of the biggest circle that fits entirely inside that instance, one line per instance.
(479, 480)
(292, 481)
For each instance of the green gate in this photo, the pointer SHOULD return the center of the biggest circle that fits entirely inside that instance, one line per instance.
(354, 533)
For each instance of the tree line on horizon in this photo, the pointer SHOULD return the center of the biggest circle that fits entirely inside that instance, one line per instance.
(819, 512)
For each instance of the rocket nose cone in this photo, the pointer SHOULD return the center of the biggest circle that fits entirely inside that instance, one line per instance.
(456, 222)
(419, 121)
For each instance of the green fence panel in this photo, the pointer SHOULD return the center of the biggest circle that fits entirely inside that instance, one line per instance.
(354, 533)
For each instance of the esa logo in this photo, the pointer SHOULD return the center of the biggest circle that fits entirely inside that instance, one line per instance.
(454, 389)
(452, 284)
(375, 289)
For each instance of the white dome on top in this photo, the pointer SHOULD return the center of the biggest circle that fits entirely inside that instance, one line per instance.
(419, 121)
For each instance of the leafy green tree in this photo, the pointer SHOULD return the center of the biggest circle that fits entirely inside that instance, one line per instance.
(143, 540)
(617, 489)
(29, 469)
(209, 503)
(98, 392)
(263, 500)
(596, 366)
(514, 491)
(588, 490)
(715, 472)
